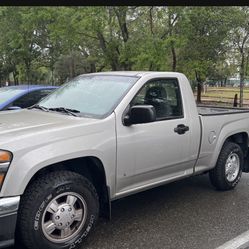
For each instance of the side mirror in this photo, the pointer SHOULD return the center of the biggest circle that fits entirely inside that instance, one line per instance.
(14, 108)
(140, 114)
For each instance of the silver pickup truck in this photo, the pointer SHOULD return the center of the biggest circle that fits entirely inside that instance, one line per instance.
(104, 136)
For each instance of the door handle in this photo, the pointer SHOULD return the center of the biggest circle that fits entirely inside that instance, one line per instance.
(181, 129)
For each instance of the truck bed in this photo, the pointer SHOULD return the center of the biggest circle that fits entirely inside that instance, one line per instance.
(214, 110)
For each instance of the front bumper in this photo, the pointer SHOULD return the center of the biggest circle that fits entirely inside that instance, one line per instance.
(8, 215)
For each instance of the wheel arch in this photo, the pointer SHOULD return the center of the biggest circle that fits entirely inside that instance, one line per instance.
(92, 168)
(240, 138)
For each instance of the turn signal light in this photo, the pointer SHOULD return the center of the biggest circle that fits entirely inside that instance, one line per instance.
(5, 156)
(1, 179)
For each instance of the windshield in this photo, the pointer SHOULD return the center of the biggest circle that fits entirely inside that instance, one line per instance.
(7, 93)
(93, 96)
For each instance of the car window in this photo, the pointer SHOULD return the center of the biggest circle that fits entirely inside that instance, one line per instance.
(7, 93)
(164, 95)
(31, 98)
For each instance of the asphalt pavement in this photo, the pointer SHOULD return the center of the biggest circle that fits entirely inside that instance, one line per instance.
(188, 214)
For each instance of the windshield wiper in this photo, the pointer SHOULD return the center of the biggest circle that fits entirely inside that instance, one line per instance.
(69, 111)
(39, 107)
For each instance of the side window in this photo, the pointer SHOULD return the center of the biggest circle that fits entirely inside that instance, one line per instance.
(31, 98)
(164, 95)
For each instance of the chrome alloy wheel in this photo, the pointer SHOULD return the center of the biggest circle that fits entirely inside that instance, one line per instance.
(232, 167)
(64, 217)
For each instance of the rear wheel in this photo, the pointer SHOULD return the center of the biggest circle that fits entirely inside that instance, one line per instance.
(57, 211)
(228, 169)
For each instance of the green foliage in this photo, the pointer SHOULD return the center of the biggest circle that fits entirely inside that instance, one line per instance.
(53, 44)
(69, 66)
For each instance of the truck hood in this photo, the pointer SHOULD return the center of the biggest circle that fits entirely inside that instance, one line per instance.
(21, 124)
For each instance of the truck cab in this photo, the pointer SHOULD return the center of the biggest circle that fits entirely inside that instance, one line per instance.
(103, 136)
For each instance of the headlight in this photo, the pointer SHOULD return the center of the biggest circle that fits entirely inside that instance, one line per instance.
(5, 159)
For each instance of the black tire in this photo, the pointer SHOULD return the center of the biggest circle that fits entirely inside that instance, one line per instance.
(38, 196)
(218, 176)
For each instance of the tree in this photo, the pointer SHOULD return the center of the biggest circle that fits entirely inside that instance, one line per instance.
(206, 29)
(41, 44)
(240, 39)
(18, 36)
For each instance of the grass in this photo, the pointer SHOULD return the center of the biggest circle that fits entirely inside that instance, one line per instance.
(224, 95)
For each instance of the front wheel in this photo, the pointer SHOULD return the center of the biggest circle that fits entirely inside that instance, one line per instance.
(228, 169)
(57, 211)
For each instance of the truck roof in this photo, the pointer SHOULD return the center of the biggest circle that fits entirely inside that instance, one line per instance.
(134, 73)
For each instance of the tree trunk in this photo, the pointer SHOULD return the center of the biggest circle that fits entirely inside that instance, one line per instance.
(73, 67)
(15, 74)
(52, 76)
(93, 68)
(114, 66)
(121, 16)
(199, 87)
(71, 72)
(172, 47)
(28, 75)
(151, 21)
(235, 100)
(242, 77)
(27, 65)
(173, 57)
(246, 66)
(113, 59)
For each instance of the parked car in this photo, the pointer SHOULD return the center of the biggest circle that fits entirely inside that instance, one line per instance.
(104, 136)
(236, 85)
(22, 96)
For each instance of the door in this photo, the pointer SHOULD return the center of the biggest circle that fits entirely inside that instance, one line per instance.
(155, 151)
